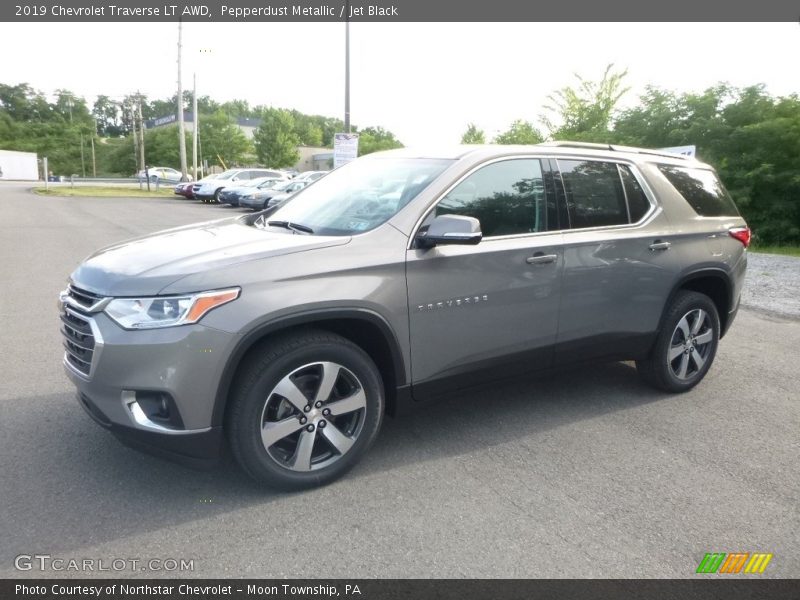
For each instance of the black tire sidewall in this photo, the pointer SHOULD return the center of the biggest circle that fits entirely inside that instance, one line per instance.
(251, 451)
(684, 303)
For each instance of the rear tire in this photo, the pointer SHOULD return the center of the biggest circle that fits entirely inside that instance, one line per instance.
(304, 409)
(686, 345)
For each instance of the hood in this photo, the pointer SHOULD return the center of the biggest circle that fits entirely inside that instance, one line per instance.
(148, 264)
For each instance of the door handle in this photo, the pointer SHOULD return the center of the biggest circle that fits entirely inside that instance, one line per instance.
(541, 259)
(659, 245)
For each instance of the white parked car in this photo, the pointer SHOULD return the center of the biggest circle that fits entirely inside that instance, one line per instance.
(208, 190)
(163, 174)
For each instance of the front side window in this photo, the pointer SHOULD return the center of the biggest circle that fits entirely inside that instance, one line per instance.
(507, 197)
(594, 193)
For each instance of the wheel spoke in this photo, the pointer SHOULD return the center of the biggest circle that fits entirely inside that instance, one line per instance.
(301, 461)
(330, 373)
(683, 325)
(683, 367)
(274, 431)
(356, 401)
(698, 322)
(675, 352)
(291, 392)
(704, 338)
(699, 361)
(338, 440)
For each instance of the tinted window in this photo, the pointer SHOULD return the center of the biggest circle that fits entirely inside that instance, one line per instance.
(506, 197)
(702, 189)
(638, 205)
(594, 193)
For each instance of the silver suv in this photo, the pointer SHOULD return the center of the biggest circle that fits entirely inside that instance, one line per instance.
(394, 279)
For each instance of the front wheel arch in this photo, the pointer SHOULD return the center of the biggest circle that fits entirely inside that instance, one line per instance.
(365, 328)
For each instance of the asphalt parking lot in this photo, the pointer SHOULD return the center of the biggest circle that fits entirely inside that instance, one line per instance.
(582, 474)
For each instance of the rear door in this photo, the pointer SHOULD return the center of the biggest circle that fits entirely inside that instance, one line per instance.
(491, 308)
(619, 260)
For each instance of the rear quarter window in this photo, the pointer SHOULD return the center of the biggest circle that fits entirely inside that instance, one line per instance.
(702, 189)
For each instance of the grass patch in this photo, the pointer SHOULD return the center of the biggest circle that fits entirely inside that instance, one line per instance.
(784, 250)
(107, 191)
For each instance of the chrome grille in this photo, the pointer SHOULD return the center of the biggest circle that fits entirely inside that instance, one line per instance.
(79, 340)
(77, 327)
(83, 297)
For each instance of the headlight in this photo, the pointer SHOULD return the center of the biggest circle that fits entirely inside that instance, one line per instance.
(166, 311)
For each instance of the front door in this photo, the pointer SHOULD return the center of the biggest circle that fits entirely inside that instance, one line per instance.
(489, 309)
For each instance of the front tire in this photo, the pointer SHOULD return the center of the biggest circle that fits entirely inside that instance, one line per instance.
(216, 196)
(686, 345)
(304, 409)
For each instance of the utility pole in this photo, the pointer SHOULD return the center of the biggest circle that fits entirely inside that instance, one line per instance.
(135, 140)
(94, 161)
(141, 144)
(181, 125)
(83, 162)
(347, 68)
(195, 125)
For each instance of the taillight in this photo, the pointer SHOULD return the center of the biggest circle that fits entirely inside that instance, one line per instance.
(742, 234)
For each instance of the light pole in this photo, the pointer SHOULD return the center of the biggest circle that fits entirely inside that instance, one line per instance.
(347, 67)
(181, 125)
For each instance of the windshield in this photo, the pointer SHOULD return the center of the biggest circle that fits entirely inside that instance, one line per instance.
(226, 174)
(282, 185)
(256, 182)
(360, 195)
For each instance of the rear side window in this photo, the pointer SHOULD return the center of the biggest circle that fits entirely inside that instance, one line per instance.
(594, 193)
(507, 197)
(702, 189)
(638, 204)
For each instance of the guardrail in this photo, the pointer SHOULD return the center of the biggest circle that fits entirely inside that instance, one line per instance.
(74, 180)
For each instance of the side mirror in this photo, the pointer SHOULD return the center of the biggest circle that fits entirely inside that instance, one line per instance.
(451, 229)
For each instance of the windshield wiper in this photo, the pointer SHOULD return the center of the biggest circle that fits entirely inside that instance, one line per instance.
(292, 226)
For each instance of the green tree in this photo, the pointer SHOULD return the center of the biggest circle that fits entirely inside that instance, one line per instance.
(520, 132)
(375, 139)
(473, 135)
(586, 110)
(275, 139)
(223, 140)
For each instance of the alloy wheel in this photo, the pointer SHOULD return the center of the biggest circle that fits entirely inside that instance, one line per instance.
(313, 416)
(691, 344)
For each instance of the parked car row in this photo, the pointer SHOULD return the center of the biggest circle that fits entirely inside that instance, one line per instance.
(250, 188)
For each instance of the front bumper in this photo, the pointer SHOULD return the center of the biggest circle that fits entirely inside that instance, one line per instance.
(256, 203)
(132, 372)
(231, 199)
(199, 449)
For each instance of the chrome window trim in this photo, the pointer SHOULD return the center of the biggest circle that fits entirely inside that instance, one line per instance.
(648, 192)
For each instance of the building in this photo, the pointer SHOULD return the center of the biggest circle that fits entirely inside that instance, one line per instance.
(314, 159)
(19, 165)
(248, 126)
(311, 158)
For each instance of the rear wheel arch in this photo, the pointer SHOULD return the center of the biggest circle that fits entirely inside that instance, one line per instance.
(714, 283)
(367, 329)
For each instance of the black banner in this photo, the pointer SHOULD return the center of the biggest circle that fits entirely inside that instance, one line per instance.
(395, 589)
(394, 11)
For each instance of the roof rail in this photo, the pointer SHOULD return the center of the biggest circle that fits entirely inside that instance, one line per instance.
(614, 148)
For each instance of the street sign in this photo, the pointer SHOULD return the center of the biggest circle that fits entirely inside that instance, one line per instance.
(345, 148)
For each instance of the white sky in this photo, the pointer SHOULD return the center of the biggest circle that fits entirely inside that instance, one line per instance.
(423, 81)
